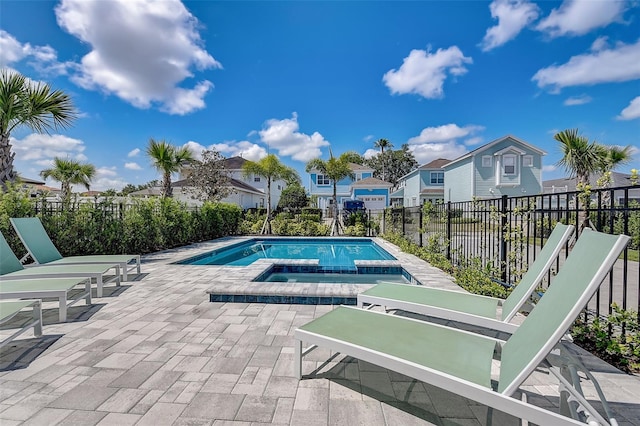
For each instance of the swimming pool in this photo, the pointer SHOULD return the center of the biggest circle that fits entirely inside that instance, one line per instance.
(330, 275)
(329, 252)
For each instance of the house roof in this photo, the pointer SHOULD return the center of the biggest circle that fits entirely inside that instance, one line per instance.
(234, 163)
(495, 142)
(234, 183)
(371, 181)
(619, 179)
(435, 164)
(46, 188)
(432, 191)
(30, 181)
(244, 186)
(358, 167)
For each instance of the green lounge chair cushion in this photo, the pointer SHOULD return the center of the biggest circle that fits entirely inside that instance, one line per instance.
(9, 308)
(446, 299)
(38, 285)
(464, 355)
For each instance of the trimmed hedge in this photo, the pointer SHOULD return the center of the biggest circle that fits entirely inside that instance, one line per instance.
(143, 227)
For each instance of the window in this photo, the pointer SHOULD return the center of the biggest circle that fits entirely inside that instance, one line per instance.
(256, 179)
(323, 180)
(358, 176)
(487, 161)
(437, 178)
(527, 161)
(279, 188)
(509, 166)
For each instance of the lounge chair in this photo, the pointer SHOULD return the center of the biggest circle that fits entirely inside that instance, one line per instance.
(44, 252)
(461, 362)
(12, 269)
(466, 307)
(9, 309)
(46, 288)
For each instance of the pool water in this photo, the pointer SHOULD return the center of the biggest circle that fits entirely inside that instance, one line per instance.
(335, 278)
(329, 252)
(279, 273)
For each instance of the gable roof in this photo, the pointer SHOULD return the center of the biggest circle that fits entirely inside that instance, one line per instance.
(234, 163)
(358, 167)
(435, 164)
(371, 181)
(493, 143)
(619, 179)
(30, 181)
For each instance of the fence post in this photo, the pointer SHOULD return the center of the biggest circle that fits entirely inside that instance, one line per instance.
(403, 216)
(503, 240)
(449, 230)
(420, 225)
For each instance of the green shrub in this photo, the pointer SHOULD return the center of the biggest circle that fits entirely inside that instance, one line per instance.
(102, 227)
(613, 338)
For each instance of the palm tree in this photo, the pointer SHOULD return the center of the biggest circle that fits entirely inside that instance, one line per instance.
(69, 172)
(612, 157)
(168, 159)
(335, 169)
(270, 168)
(582, 158)
(382, 144)
(33, 105)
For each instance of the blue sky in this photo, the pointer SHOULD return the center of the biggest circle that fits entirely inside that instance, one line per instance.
(298, 78)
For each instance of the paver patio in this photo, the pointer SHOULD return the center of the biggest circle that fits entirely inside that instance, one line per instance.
(157, 352)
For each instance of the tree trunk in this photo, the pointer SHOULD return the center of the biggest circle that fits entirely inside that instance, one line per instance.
(584, 200)
(7, 173)
(334, 223)
(166, 186)
(266, 229)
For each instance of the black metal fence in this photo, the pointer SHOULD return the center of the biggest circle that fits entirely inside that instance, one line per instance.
(507, 233)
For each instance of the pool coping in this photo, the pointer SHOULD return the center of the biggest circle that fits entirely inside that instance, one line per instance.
(234, 283)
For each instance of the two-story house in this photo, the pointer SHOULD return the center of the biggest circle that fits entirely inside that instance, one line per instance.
(505, 166)
(426, 183)
(245, 186)
(373, 191)
(245, 191)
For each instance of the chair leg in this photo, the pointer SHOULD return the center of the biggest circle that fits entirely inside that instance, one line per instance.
(99, 284)
(62, 309)
(37, 317)
(298, 359)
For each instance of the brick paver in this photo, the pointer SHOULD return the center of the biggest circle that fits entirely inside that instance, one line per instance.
(156, 352)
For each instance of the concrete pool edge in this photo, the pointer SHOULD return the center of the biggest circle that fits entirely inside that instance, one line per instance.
(235, 283)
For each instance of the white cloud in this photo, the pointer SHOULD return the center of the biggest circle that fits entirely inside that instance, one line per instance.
(578, 17)
(244, 149)
(368, 138)
(132, 166)
(632, 111)
(195, 148)
(432, 151)
(370, 153)
(106, 178)
(106, 172)
(512, 16)
(549, 168)
(134, 152)
(578, 100)
(616, 64)
(162, 46)
(444, 133)
(423, 72)
(443, 142)
(42, 148)
(43, 58)
(284, 136)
